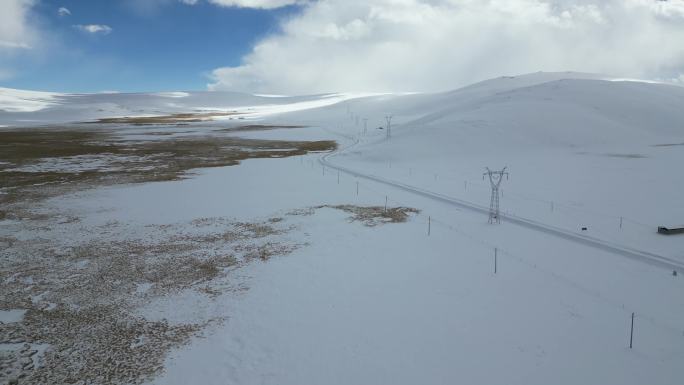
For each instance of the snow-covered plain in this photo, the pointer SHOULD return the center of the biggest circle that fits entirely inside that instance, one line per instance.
(419, 302)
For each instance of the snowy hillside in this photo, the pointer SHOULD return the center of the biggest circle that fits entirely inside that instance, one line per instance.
(300, 267)
(592, 149)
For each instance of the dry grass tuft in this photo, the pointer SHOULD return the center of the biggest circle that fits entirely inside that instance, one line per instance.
(97, 345)
(256, 127)
(166, 119)
(376, 215)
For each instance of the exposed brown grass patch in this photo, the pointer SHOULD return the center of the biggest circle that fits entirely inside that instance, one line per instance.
(98, 345)
(80, 299)
(19, 147)
(38, 163)
(376, 215)
(166, 119)
(256, 127)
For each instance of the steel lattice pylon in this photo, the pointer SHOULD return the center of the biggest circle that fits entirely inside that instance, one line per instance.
(495, 178)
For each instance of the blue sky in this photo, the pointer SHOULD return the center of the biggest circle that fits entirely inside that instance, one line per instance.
(152, 45)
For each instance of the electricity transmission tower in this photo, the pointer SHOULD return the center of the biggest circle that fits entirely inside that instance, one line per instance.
(388, 118)
(365, 125)
(495, 178)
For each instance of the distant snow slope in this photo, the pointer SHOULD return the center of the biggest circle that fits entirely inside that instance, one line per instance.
(569, 111)
(12, 100)
(25, 108)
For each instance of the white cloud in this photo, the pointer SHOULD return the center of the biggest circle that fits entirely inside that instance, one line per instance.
(94, 28)
(263, 4)
(62, 11)
(15, 32)
(147, 7)
(428, 45)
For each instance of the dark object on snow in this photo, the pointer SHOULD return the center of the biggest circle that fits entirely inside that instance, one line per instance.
(584, 229)
(670, 230)
(674, 273)
(381, 128)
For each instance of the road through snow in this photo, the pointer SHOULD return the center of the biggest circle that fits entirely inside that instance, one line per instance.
(639, 255)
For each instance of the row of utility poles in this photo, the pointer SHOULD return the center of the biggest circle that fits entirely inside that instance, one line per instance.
(356, 119)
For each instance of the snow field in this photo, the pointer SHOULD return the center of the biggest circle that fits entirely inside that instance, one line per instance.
(391, 304)
(419, 302)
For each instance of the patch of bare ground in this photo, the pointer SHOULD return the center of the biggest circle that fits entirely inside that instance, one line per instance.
(375, 215)
(80, 300)
(96, 345)
(167, 119)
(256, 127)
(45, 162)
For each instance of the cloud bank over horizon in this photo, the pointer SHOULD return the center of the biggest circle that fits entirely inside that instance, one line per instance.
(433, 45)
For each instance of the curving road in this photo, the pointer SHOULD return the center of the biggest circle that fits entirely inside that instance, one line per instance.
(639, 255)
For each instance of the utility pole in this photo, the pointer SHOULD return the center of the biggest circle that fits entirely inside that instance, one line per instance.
(496, 257)
(631, 332)
(495, 178)
(388, 118)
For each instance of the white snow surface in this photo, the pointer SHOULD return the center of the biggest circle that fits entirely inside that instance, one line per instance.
(31, 108)
(12, 315)
(392, 304)
(12, 100)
